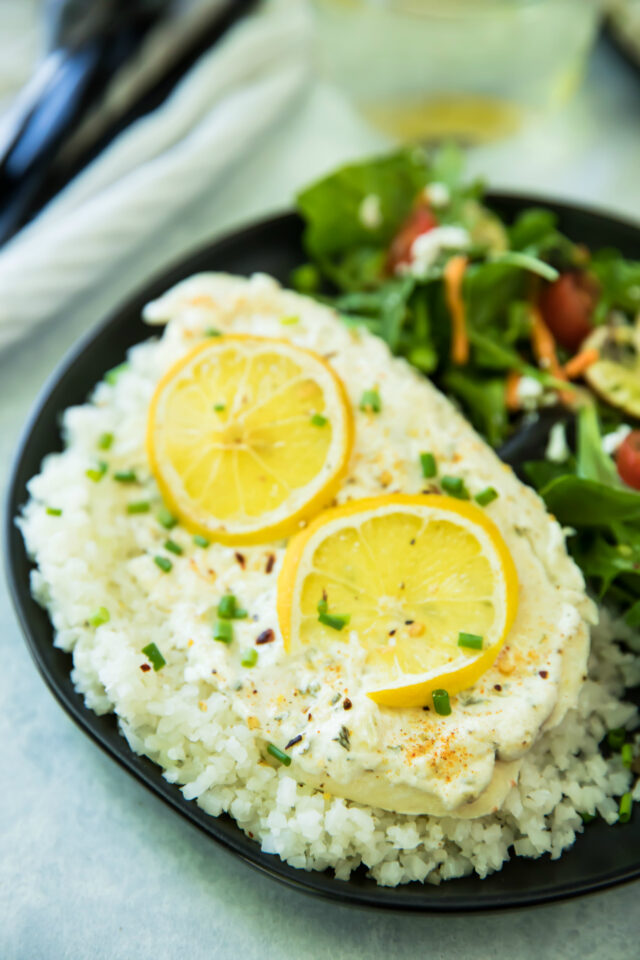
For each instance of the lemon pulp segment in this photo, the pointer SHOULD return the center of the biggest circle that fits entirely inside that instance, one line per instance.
(411, 573)
(234, 442)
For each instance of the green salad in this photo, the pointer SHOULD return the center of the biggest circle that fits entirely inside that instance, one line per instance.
(508, 319)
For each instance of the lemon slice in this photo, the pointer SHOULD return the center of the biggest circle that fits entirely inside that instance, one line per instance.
(403, 576)
(248, 437)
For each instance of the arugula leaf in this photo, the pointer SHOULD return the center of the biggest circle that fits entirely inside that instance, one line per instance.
(542, 472)
(386, 307)
(534, 228)
(619, 281)
(592, 462)
(526, 262)
(484, 402)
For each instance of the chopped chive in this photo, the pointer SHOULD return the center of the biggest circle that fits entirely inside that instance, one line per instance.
(278, 754)
(616, 737)
(228, 608)
(305, 278)
(54, 511)
(139, 506)
(104, 441)
(249, 658)
(164, 563)
(587, 817)
(111, 376)
(624, 811)
(334, 620)
(125, 476)
(626, 754)
(100, 616)
(323, 605)
(166, 519)
(212, 332)
(486, 496)
(470, 640)
(200, 541)
(455, 487)
(223, 631)
(154, 656)
(441, 702)
(289, 321)
(428, 464)
(98, 472)
(173, 547)
(219, 407)
(317, 420)
(370, 401)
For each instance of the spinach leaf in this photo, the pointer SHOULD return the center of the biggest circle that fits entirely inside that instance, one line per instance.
(534, 228)
(619, 281)
(332, 206)
(605, 562)
(577, 502)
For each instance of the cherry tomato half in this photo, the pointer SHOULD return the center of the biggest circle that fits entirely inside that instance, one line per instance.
(567, 307)
(628, 459)
(420, 221)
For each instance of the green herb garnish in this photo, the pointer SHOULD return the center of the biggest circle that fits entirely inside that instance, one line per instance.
(334, 620)
(173, 547)
(486, 496)
(223, 631)
(125, 476)
(370, 401)
(166, 519)
(455, 487)
(249, 658)
(624, 810)
(54, 511)
(278, 754)
(111, 376)
(228, 608)
(212, 332)
(99, 617)
(154, 656)
(441, 702)
(317, 420)
(626, 755)
(289, 321)
(470, 640)
(98, 473)
(164, 563)
(429, 466)
(200, 541)
(616, 737)
(104, 441)
(219, 407)
(139, 506)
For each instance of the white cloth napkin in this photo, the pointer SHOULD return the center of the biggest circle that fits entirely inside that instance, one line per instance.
(157, 167)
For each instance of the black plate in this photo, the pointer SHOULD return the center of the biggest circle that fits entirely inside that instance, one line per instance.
(604, 856)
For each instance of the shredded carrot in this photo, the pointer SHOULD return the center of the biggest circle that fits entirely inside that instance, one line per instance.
(511, 398)
(544, 346)
(453, 277)
(575, 367)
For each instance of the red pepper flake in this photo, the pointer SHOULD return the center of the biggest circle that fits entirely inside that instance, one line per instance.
(346, 703)
(267, 636)
(271, 559)
(392, 633)
(497, 687)
(544, 674)
(309, 717)
(293, 741)
(249, 834)
(144, 667)
(241, 559)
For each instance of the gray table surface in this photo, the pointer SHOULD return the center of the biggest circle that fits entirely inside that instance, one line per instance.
(93, 866)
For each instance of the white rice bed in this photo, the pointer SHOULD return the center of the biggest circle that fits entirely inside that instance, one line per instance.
(195, 733)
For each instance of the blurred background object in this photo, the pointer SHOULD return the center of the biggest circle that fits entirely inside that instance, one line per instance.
(470, 69)
(107, 62)
(624, 28)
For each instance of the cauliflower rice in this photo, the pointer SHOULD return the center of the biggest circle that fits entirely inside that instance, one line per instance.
(95, 555)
